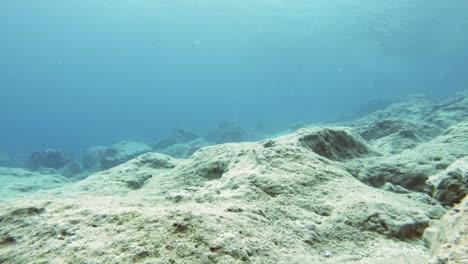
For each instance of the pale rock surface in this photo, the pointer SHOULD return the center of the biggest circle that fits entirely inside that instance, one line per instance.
(185, 150)
(411, 168)
(276, 201)
(451, 111)
(448, 239)
(396, 142)
(305, 197)
(406, 124)
(16, 182)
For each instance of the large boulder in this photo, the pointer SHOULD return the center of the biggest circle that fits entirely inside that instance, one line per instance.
(337, 143)
(451, 185)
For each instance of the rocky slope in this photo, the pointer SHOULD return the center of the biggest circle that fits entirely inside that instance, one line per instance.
(448, 239)
(20, 182)
(319, 195)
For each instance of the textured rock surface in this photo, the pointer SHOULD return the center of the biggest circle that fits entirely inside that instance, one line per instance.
(450, 112)
(411, 168)
(305, 197)
(16, 182)
(451, 185)
(448, 240)
(185, 150)
(424, 118)
(121, 179)
(275, 201)
(334, 144)
(396, 142)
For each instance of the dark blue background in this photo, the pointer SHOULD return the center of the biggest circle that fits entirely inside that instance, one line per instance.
(79, 73)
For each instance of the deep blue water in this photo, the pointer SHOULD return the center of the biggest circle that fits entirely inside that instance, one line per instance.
(78, 73)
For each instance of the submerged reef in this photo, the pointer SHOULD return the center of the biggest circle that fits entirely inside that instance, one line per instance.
(102, 157)
(180, 144)
(389, 187)
(49, 158)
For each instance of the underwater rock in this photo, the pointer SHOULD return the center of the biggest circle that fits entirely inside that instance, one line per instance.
(155, 161)
(408, 114)
(451, 185)
(49, 158)
(414, 108)
(71, 169)
(93, 156)
(411, 168)
(425, 118)
(448, 239)
(397, 142)
(281, 200)
(385, 127)
(185, 150)
(15, 182)
(450, 112)
(132, 175)
(101, 158)
(305, 197)
(179, 136)
(391, 222)
(380, 128)
(334, 143)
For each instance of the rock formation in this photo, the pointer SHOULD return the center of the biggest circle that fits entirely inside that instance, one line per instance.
(375, 192)
(102, 158)
(49, 158)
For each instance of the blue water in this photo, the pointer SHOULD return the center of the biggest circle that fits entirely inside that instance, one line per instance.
(79, 73)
